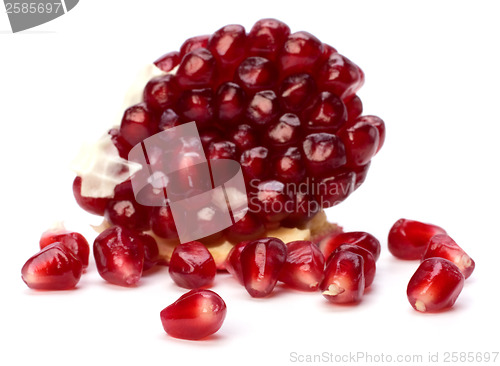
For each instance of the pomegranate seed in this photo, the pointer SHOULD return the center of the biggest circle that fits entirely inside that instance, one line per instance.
(361, 174)
(323, 152)
(369, 267)
(162, 222)
(168, 61)
(361, 141)
(160, 92)
(340, 76)
(254, 163)
(435, 285)
(73, 241)
(333, 190)
(326, 113)
(284, 133)
(304, 207)
(196, 70)
(442, 246)
(128, 213)
(243, 137)
(267, 37)
(271, 201)
(195, 315)
(53, 268)
(194, 43)
(247, 228)
(151, 252)
(379, 124)
(169, 118)
(304, 265)
(136, 124)
(354, 107)
(344, 280)
(300, 53)
(192, 265)
(261, 263)
(230, 103)
(262, 109)
(93, 205)
(196, 105)
(364, 240)
(119, 142)
(228, 46)
(408, 239)
(208, 136)
(119, 256)
(289, 167)
(256, 73)
(232, 263)
(222, 150)
(296, 91)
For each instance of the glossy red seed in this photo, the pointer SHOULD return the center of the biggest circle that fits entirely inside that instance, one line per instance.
(193, 43)
(262, 109)
(151, 252)
(288, 167)
(300, 53)
(196, 70)
(208, 136)
(354, 107)
(361, 140)
(331, 191)
(161, 92)
(340, 76)
(233, 262)
(192, 265)
(323, 152)
(119, 256)
(304, 265)
(128, 213)
(119, 142)
(361, 174)
(247, 228)
(344, 280)
(256, 73)
(443, 246)
(304, 208)
(271, 201)
(435, 285)
(266, 38)
(53, 268)
(228, 45)
(296, 91)
(196, 105)
(137, 124)
(244, 137)
(261, 263)
(326, 113)
(379, 124)
(93, 205)
(168, 61)
(254, 163)
(230, 103)
(369, 267)
(283, 133)
(360, 238)
(169, 118)
(195, 315)
(73, 241)
(162, 222)
(408, 239)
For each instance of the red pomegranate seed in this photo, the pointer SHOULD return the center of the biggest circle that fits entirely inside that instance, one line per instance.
(300, 53)
(73, 241)
(408, 239)
(304, 208)
(333, 190)
(443, 246)
(344, 280)
(256, 73)
(326, 113)
(169, 118)
(267, 37)
(126, 212)
(119, 256)
(196, 70)
(323, 152)
(364, 240)
(296, 92)
(222, 150)
(208, 136)
(248, 227)
(435, 285)
(228, 46)
(195, 315)
(261, 263)
(53, 268)
(137, 124)
(194, 43)
(262, 109)
(289, 167)
(254, 163)
(151, 252)
(244, 137)
(196, 105)
(168, 61)
(230, 103)
(283, 133)
(361, 174)
(119, 142)
(369, 268)
(354, 107)
(160, 92)
(93, 205)
(361, 141)
(304, 266)
(379, 124)
(340, 76)
(162, 223)
(271, 201)
(192, 265)
(232, 263)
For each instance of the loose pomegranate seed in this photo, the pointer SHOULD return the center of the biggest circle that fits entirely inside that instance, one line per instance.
(296, 91)
(73, 241)
(364, 240)
(284, 133)
(192, 265)
(256, 73)
(228, 46)
(304, 265)
(195, 315)
(233, 261)
(408, 239)
(196, 70)
(289, 167)
(230, 103)
(340, 76)
(443, 246)
(169, 118)
(137, 124)
(243, 137)
(168, 61)
(333, 190)
(369, 267)
(323, 152)
(354, 107)
(344, 280)
(271, 201)
(248, 227)
(379, 124)
(151, 252)
(162, 222)
(119, 256)
(160, 92)
(262, 109)
(222, 150)
(254, 163)
(361, 141)
(93, 205)
(196, 105)
(435, 285)
(267, 37)
(194, 43)
(300, 53)
(53, 268)
(326, 113)
(261, 263)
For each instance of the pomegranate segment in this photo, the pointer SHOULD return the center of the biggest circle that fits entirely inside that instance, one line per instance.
(192, 266)
(261, 264)
(369, 267)
(344, 280)
(435, 285)
(364, 240)
(195, 315)
(408, 239)
(53, 268)
(73, 241)
(119, 256)
(304, 266)
(443, 246)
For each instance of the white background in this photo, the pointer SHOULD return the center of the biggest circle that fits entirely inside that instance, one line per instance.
(432, 73)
